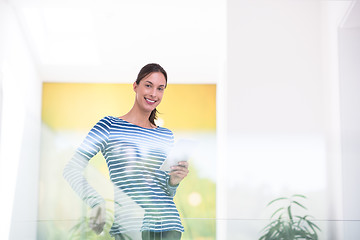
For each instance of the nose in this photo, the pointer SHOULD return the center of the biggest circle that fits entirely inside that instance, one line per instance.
(153, 92)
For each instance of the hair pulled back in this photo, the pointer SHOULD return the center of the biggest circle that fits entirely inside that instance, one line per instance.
(146, 71)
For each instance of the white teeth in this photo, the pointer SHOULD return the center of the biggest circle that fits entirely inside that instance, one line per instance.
(149, 100)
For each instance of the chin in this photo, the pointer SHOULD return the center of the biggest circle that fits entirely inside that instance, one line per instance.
(147, 109)
(151, 108)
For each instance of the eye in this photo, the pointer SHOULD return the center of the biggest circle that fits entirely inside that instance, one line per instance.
(161, 89)
(147, 85)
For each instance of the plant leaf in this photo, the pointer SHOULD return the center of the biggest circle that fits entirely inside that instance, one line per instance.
(299, 195)
(277, 199)
(312, 225)
(276, 212)
(290, 215)
(299, 204)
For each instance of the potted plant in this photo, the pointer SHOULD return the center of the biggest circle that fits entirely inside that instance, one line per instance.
(286, 226)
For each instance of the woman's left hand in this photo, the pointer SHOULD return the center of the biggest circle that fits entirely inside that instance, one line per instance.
(178, 173)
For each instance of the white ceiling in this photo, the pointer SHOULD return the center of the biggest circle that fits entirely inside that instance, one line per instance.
(109, 41)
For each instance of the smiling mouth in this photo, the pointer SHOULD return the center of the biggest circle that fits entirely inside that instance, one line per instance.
(150, 101)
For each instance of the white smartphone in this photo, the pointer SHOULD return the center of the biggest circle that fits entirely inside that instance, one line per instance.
(181, 151)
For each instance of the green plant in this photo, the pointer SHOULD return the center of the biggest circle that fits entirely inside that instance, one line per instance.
(286, 226)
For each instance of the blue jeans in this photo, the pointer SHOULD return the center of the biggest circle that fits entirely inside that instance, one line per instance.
(167, 235)
(148, 235)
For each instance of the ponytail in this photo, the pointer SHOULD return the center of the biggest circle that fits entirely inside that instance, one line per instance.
(153, 116)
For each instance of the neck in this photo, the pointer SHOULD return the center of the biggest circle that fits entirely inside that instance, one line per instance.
(138, 117)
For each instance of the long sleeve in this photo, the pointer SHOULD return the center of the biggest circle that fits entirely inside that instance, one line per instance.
(171, 190)
(94, 142)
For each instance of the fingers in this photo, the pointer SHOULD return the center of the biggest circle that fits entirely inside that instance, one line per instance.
(181, 166)
(98, 218)
(97, 227)
(178, 172)
(184, 164)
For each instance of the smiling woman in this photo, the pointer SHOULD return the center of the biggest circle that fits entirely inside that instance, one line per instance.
(134, 149)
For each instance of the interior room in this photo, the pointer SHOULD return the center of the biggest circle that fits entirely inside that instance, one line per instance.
(266, 89)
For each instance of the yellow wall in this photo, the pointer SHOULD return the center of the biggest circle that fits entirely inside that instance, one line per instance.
(81, 105)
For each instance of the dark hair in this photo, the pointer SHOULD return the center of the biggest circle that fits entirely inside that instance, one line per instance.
(144, 72)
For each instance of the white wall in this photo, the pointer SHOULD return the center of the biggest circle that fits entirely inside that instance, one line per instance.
(282, 115)
(20, 130)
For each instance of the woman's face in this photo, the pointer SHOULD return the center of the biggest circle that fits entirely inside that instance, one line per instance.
(149, 91)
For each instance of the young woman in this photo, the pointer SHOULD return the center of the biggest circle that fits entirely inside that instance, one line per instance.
(134, 149)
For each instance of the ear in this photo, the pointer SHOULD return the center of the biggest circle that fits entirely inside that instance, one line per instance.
(135, 86)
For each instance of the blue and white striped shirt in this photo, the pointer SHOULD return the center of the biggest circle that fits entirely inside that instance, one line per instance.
(142, 194)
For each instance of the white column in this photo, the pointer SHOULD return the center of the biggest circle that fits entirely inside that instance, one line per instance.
(333, 12)
(349, 55)
(20, 130)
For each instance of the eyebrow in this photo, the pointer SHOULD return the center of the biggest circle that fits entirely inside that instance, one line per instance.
(153, 84)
